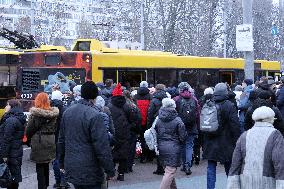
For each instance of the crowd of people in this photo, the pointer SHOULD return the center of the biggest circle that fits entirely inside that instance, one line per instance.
(239, 126)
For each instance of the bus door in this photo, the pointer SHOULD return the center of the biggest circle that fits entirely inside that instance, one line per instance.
(129, 78)
(226, 77)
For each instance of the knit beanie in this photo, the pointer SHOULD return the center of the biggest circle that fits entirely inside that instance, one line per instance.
(208, 90)
(56, 95)
(89, 90)
(77, 90)
(263, 114)
(248, 82)
(184, 86)
(168, 103)
(221, 88)
(117, 91)
(144, 84)
(100, 102)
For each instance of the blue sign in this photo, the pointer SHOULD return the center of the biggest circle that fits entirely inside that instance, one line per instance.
(274, 30)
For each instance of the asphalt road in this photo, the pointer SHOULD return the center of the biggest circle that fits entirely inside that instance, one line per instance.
(141, 178)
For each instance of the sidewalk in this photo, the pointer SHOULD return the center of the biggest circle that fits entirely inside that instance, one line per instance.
(197, 182)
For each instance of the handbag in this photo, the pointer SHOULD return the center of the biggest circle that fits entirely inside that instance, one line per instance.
(5, 176)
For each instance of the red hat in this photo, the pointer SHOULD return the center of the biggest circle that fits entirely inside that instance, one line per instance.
(117, 91)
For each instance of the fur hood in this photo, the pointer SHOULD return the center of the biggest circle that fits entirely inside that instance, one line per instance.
(53, 112)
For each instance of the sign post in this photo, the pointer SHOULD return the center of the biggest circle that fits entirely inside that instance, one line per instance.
(244, 37)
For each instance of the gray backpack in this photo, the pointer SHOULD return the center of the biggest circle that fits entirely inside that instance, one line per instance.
(209, 117)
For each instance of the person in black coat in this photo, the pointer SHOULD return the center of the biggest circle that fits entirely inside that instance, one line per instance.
(156, 103)
(11, 134)
(264, 99)
(171, 134)
(84, 148)
(120, 111)
(220, 147)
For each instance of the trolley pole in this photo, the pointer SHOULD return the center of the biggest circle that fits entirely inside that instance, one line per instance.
(249, 56)
(142, 36)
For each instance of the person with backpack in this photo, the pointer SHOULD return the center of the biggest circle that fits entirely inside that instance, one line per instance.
(120, 112)
(258, 161)
(153, 112)
(220, 126)
(142, 99)
(188, 110)
(171, 134)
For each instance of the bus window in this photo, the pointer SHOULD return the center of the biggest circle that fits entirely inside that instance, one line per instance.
(52, 59)
(110, 74)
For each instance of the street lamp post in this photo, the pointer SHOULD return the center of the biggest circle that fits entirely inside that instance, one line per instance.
(249, 57)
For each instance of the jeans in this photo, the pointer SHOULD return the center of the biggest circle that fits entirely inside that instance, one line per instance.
(187, 151)
(97, 186)
(211, 173)
(42, 170)
(59, 176)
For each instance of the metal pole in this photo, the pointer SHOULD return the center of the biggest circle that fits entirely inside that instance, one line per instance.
(249, 57)
(142, 37)
(225, 17)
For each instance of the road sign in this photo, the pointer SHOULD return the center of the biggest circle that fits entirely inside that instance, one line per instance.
(244, 39)
(274, 30)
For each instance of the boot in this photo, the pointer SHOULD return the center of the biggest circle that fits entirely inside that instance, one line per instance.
(120, 177)
(188, 171)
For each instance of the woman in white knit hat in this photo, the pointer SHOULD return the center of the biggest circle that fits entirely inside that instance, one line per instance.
(258, 157)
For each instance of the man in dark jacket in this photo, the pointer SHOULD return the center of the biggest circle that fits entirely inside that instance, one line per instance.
(142, 99)
(186, 98)
(56, 101)
(120, 111)
(153, 112)
(84, 147)
(219, 147)
(264, 99)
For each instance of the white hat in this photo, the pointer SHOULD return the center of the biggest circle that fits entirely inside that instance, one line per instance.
(77, 90)
(56, 95)
(168, 103)
(208, 90)
(263, 114)
(144, 84)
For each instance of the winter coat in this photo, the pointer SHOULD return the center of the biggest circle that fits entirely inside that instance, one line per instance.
(232, 98)
(238, 96)
(266, 87)
(280, 100)
(171, 134)
(155, 105)
(143, 99)
(244, 103)
(134, 117)
(41, 132)
(61, 108)
(258, 159)
(120, 112)
(220, 147)
(84, 147)
(106, 93)
(204, 98)
(278, 123)
(11, 135)
(187, 95)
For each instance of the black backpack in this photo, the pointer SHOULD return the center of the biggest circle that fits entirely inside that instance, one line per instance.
(186, 109)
